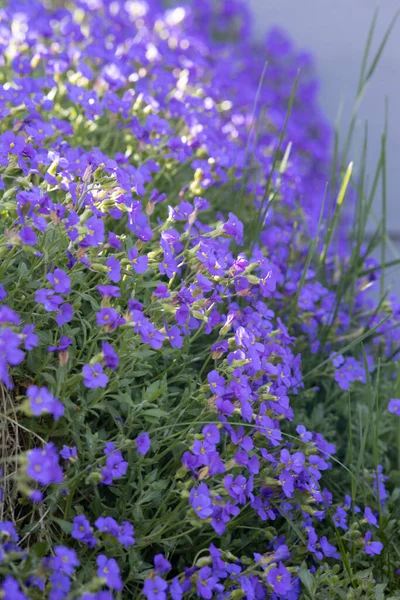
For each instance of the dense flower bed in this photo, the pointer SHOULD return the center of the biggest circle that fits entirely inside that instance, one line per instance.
(175, 372)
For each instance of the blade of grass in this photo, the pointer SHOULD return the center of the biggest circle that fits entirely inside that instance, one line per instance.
(335, 219)
(309, 259)
(263, 211)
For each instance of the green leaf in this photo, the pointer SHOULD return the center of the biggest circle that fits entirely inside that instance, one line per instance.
(307, 579)
(156, 412)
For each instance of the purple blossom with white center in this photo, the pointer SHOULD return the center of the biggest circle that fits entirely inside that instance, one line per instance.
(64, 314)
(201, 501)
(94, 376)
(10, 589)
(372, 548)
(107, 525)
(42, 401)
(155, 589)
(43, 465)
(114, 269)
(279, 579)
(108, 569)
(82, 531)
(60, 586)
(65, 559)
(126, 534)
(287, 482)
(206, 583)
(175, 336)
(139, 263)
(60, 281)
(211, 435)
(48, 299)
(217, 383)
(394, 406)
(14, 144)
(107, 317)
(115, 467)
(294, 462)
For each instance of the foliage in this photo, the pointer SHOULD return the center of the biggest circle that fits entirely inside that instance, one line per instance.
(196, 401)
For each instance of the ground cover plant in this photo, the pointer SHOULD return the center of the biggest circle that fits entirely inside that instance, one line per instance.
(197, 401)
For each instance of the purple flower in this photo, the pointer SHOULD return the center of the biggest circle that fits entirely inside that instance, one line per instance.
(234, 228)
(64, 314)
(155, 589)
(3, 293)
(31, 340)
(161, 291)
(107, 525)
(60, 281)
(161, 564)
(206, 583)
(10, 589)
(211, 435)
(115, 468)
(394, 406)
(64, 560)
(60, 586)
(280, 580)
(28, 236)
(108, 569)
(303, 433)
(370, 517)
(114, 269)
(14, 144)
(49, 301)
(287, 483)
(327, 548)
(293, 462)
(10, 354)
(36, 496)
(143, 443)
(69, 453)
(95, 229)
(370, 547)
(94, 377)
(63, 345)
(111, 359)
(42, 401)
(126, 534)
(317, 464)
(175, 336)
(217, 383)
(109, 291)
(140, 263)
(43, 465)
(201, 501)
(82, 531)
(107, 317)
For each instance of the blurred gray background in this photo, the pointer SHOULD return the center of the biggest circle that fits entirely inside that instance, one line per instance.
(335, 31)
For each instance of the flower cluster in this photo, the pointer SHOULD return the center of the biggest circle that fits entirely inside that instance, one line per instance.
(165, 344)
